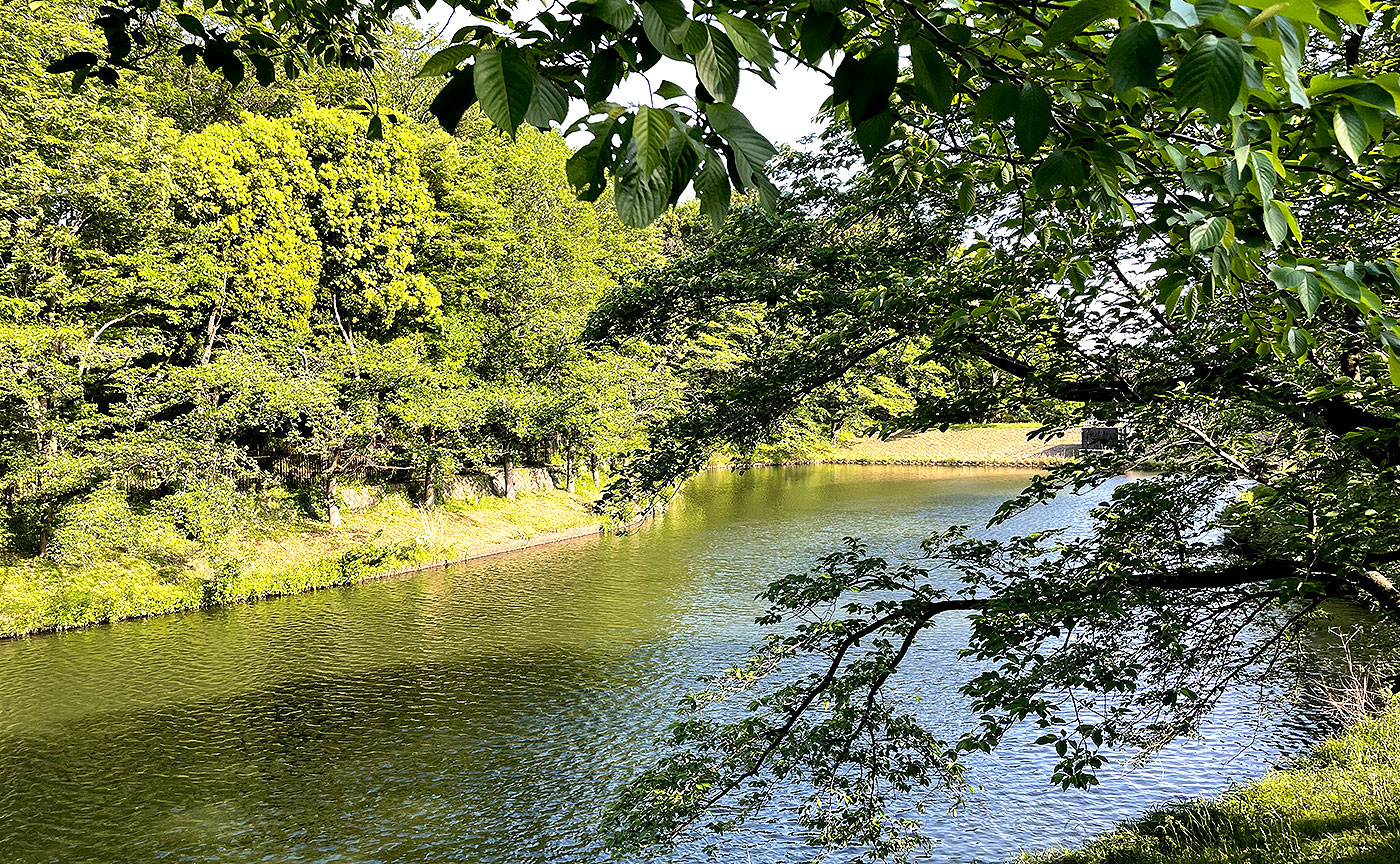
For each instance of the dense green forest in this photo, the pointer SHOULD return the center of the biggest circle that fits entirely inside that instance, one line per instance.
(222, 305)
(212, 291)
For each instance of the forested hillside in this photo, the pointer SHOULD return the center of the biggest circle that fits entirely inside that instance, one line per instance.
(223, 307)
(208, 292)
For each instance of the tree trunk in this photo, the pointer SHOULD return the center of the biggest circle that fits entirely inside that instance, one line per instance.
(333, 501)
(569, 472)
(593, 463)
(506, 483)
(46, 532)
(345, 332)
(429, 487)
(211, 328)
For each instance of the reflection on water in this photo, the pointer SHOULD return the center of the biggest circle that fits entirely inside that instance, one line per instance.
(481, 714)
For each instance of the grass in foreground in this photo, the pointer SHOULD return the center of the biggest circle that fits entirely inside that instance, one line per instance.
(275, 555)
(1340, 804)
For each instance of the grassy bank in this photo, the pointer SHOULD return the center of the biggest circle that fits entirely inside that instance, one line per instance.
(989, 444)
(277, 553)
(1340, 804)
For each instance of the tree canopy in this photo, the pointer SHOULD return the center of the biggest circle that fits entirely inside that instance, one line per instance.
(1194, 125)
(262, 293)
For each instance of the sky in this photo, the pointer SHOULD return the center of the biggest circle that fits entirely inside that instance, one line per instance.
(783, 113)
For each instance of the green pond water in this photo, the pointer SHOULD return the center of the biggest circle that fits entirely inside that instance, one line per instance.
(481, 714)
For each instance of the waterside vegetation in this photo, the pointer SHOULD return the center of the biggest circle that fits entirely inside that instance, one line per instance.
(1340, 804)
(140, 567)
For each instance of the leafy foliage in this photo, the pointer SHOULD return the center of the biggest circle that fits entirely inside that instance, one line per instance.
(1273, 498)
(281, 298)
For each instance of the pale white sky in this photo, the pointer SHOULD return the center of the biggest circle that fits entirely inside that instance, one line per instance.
(783, 114)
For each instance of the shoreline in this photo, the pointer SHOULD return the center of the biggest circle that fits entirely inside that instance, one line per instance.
(103, 593)
(917, 463)
(109, 591)
(337, 572)
(470, 553)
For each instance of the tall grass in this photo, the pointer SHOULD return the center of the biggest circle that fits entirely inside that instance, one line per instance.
(1339, 804)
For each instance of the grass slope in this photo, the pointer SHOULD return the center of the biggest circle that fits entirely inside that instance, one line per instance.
(1339, 805)
(280, 556)
(993, 444)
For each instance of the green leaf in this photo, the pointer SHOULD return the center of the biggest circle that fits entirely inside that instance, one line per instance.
(1078, 17)
(445, 60)
(672, 14)
(650, 129)
(873, 133)
(191, 25)
(1210, 76)
(1292, 222)
(118, 41)
(998, 101)
(1342, 285)
(1134, 56)
(767, 194)
(453, 100)
(1209, 233)
(717, 66)
(617, 14)
(967, 196)
(658, 31)
(1310, 294)
(72, 62)
(505, 84)
(1059, 169)
(233, 70)
(263, 70)
(1169, 293)
(749, 39)
(641, 197)
(1265, 175)
(1287, 277)
(669, 90)
(1275, 223)
(751, 149)
(932, 80)
(1370, 95)
(1351, 132)
(874, 84)
(586, 168)
(1297, 342)
(712, 187)
(1350, 11)
(376, 129)
(602, 77)
(816, 35)
(1393, 361)
(1032, 118)
(549, 104)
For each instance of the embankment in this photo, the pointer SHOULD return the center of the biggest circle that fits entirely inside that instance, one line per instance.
(997, 444)
(260, 561)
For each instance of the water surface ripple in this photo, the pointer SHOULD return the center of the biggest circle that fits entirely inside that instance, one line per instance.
(480, 715)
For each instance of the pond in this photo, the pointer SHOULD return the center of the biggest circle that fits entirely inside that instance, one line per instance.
(481, 714)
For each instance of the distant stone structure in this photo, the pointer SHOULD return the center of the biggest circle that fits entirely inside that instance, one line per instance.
(1100, 437)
